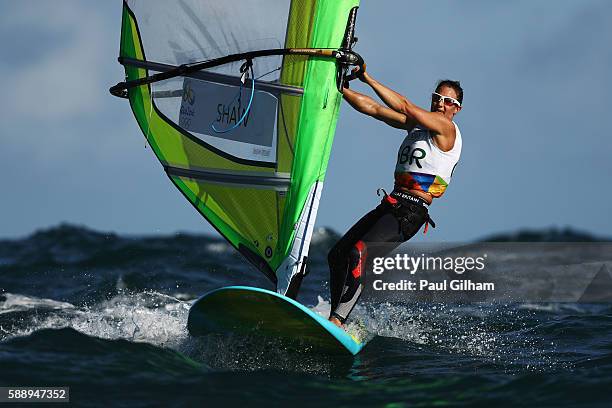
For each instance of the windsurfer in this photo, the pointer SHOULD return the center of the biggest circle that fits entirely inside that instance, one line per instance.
(425, 163)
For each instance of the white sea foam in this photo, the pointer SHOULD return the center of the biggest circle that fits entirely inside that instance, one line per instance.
(218, 247)
(20, 303)
(322, 308)
(161, 320)
(149, 317)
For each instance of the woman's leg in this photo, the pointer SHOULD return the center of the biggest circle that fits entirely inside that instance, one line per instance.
(347, 259)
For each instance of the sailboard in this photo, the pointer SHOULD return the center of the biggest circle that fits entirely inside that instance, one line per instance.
(239, 103)
(246, 310)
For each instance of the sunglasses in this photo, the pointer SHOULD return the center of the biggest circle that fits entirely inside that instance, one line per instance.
(447, 100)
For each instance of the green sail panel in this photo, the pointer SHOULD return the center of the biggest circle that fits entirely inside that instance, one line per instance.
(258, 182)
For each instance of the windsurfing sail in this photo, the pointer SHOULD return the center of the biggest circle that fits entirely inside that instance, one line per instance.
(239, 102)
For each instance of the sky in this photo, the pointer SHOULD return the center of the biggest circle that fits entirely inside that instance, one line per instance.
(536, 137)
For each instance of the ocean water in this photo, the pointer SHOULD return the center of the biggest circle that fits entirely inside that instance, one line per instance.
(106, 316)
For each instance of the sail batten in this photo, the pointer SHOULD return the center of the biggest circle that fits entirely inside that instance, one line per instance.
(230, 178)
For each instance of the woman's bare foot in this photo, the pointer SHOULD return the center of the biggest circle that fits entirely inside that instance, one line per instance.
(336, 321)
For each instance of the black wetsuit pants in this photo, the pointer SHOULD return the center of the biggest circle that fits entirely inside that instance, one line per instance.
(396, 219)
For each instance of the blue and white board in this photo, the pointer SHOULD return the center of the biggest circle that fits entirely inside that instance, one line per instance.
(244, 309)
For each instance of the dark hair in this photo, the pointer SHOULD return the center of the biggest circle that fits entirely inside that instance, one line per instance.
(452, 84)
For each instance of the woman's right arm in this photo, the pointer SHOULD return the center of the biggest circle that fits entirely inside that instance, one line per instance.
(368, 106)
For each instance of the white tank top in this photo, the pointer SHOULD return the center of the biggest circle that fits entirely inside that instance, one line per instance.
(422, 166)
